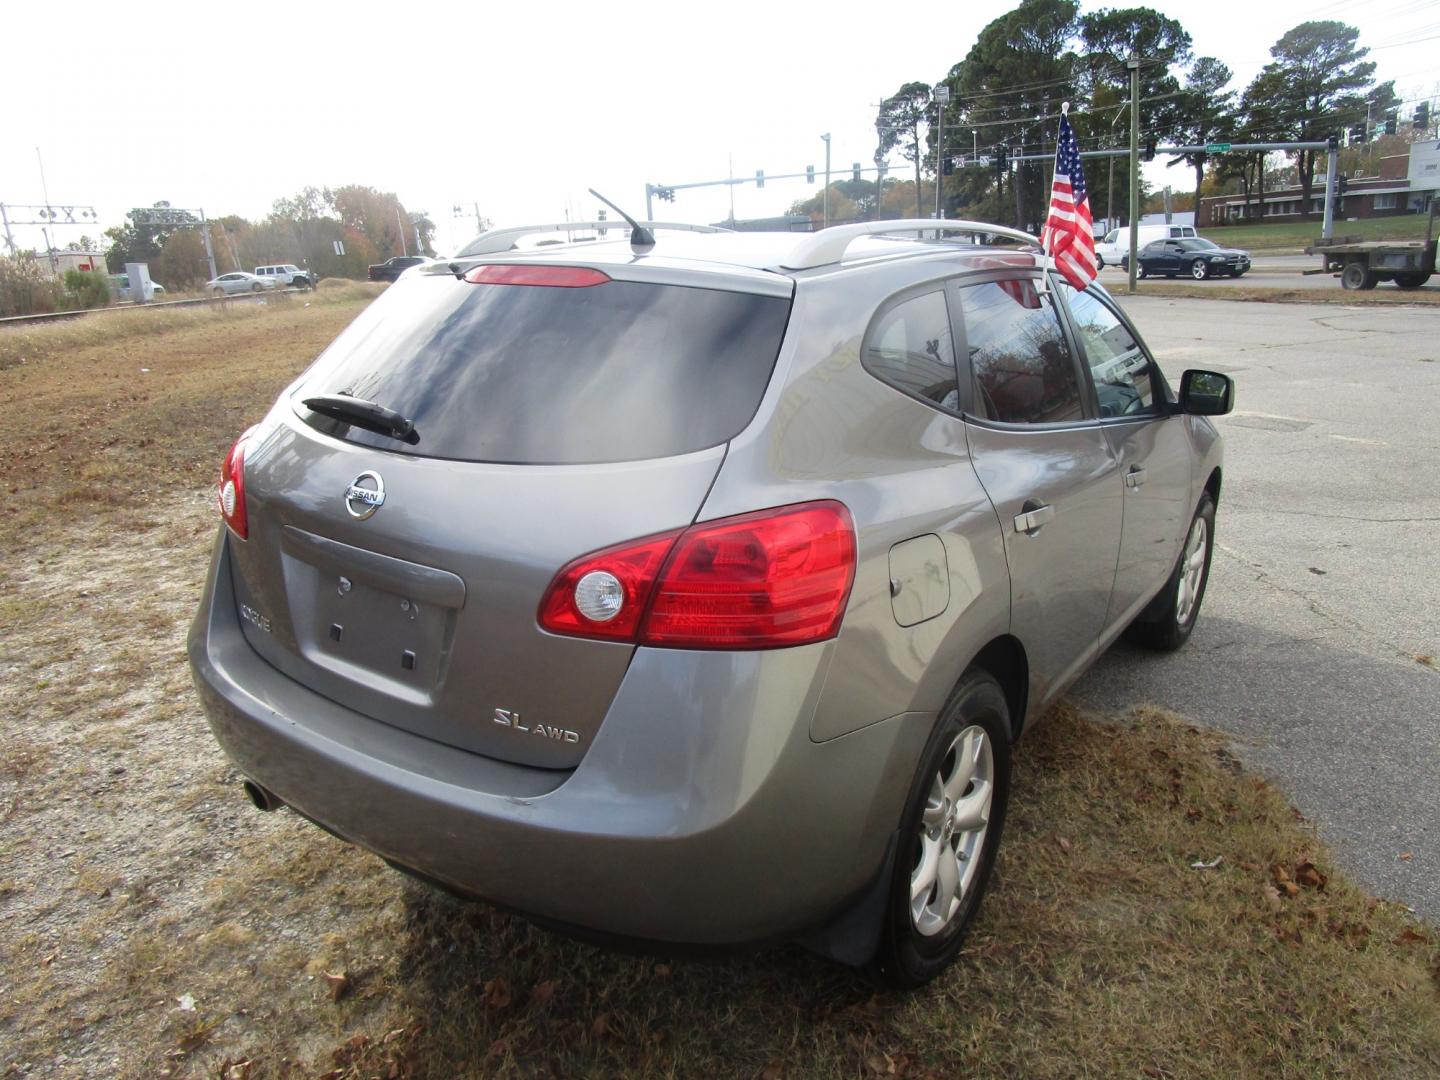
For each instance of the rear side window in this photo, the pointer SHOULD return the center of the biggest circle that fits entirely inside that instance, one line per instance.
(911, 348)
(525, 374)
(1022, 369)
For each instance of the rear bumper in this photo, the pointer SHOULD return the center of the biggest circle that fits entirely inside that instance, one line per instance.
(702, 813)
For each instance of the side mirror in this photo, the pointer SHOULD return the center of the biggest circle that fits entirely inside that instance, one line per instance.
(1206, 393)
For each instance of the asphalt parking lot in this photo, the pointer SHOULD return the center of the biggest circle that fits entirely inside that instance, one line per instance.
(1319, 644)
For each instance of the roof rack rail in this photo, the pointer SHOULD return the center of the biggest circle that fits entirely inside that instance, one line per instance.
(827, 246)
(496, 240)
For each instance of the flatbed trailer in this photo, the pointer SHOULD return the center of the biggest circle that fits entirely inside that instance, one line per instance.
(1362, 264)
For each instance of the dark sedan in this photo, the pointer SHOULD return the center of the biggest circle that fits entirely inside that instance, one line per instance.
(1194, 256)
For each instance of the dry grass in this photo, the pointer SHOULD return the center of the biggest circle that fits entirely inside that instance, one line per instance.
(1379, 296)
(136, 880)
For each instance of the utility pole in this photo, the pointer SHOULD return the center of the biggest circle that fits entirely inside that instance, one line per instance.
(942, 97)
(400, 227)
(1133, 64)
(209, 247)
(825, 198)
(1327, 225)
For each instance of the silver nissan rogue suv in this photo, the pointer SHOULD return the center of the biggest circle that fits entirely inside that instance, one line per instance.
(695, 589)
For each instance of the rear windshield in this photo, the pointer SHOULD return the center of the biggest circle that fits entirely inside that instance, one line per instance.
(539, 375)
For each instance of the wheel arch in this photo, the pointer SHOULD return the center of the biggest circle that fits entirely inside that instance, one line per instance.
(1212, 485)
(1005, 660)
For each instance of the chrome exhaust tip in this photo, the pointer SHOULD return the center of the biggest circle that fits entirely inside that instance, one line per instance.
(260, 798)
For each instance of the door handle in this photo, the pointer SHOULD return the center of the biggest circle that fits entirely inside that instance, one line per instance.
(1033, 514)
(1135, 477)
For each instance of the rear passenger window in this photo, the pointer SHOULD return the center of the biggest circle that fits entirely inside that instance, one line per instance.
(910, 347)
(1022, 369)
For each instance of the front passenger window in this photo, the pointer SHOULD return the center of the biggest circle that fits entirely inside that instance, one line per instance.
(1118, 365)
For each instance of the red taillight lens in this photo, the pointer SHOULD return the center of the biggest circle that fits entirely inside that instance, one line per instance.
(230, 495)
(757, 581)
(634, 566)
(555, 277)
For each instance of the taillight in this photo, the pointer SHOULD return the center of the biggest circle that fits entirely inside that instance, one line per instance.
(603, 595)
(756, 581)
(231, 492)
(555, 277)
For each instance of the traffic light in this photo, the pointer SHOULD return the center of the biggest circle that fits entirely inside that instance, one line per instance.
(1333, 141)
(1422, 116)
(1359, 133)
(1149, 154)
(665, 194)
(1000, 161)
(1342, 185)
(947, 166)
(602, 230)
(809, 174)
(1392, 123)
(759, 178)
(855, 172)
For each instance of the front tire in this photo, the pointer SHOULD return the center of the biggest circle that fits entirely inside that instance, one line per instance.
(949, 834)
(1199, 270)
(1167, 621)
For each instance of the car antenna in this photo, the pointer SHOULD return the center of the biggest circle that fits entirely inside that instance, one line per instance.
(640, 237)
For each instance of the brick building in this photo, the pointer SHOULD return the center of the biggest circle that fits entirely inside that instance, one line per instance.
(1390, 191)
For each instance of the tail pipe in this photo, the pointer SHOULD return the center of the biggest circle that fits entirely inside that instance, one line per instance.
(261, 798)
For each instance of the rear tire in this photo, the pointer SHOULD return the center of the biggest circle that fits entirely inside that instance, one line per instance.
(255, 287)
(1357, 275)
(949, 834)
(1141, 272)
(1411, 281)
(1167, 621)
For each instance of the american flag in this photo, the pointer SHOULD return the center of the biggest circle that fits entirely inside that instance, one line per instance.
(1069, 235)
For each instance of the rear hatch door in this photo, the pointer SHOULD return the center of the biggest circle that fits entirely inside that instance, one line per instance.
(403, 578)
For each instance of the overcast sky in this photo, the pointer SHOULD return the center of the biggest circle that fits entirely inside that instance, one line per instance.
(519, 107)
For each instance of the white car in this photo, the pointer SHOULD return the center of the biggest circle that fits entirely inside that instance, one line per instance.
(238, 282)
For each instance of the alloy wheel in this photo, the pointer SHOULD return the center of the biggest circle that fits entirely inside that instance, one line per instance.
(952, 831)
(1192, 572)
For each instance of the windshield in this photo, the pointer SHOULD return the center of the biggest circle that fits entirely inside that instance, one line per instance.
(1198, 244)
(524, 374)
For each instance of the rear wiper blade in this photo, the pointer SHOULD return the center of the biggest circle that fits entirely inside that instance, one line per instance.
(364, 414)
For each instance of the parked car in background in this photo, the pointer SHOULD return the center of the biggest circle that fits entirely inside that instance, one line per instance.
(724, 634)
(120, 286)
(1197, 257)
(1116, 244)
(286, 274)
(394, 266)
(238, 281)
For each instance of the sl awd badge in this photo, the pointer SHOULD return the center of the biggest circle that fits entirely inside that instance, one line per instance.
(365, 495)
(511, 719)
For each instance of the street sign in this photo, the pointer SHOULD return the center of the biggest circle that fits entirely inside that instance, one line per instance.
(1217, 148)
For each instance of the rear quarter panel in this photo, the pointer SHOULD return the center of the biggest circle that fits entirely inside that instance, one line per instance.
(827, 428)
